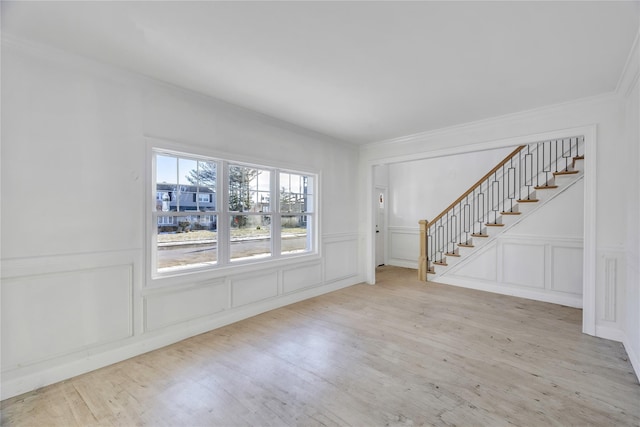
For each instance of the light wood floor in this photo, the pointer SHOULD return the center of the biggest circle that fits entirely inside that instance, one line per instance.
(398, 353)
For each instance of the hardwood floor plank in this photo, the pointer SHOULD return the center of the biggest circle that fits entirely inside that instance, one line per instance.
(399, 353)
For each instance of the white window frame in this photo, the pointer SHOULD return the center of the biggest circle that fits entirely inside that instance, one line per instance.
(223, 262)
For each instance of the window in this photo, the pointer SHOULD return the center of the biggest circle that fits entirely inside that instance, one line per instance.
(199, 200)
(296, 201)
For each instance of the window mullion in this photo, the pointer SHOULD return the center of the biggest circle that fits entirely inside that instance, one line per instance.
(276, 226)
(224, 235)
(198, 185)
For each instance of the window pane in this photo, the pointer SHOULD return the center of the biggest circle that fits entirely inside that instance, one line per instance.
(250, 236)
(295, 191)
(294, 237)
(166, 179)
(249, 189)
(166, 169)
(205, 178)
(187, 172)
(186, 241)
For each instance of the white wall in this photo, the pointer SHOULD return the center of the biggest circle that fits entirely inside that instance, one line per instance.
(75, 290)
(421, 189)
(630, 88)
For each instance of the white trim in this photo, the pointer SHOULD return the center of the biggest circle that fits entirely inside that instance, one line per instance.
(483, 146)
(370, 227)
(609, 333)
(555, 298)
(399, 262)
(385, 230)
(633, 356)
(589, 262)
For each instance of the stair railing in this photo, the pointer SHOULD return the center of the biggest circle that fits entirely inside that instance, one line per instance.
(512, 181)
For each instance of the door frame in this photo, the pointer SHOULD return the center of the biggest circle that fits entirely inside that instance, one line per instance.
(377, 190)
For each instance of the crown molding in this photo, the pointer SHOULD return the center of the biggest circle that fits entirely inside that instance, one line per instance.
(631, 71)
(425, 137)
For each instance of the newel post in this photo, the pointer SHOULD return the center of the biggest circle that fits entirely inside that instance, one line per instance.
(423, 261)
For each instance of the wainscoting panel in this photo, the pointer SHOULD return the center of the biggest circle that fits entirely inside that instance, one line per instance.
(482, 265)
(302, 277)
(254, 288)
(404, 246)
(523, 264)
(340, 254)
(611, 295)
(168, 308)
(566, 267)
(48, 315)
(536, 267)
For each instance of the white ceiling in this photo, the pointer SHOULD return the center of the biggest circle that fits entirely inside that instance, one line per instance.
(359, 71)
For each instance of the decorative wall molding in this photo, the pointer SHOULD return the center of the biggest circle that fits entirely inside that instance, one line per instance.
(20, 267)
(339, 237)
(534, 276)
(339, 257)
(611, 290)
(610, 285)
(44, 308)
(25, 379)
(167, 308)
(403, 245)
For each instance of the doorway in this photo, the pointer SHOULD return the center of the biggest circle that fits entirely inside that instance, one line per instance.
(381, 225)
(589, 204)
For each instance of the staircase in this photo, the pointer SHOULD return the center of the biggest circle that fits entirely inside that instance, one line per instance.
(527, 179)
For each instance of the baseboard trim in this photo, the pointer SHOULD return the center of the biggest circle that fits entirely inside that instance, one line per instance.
(633, 356)
(403, 263)
(23, 380)
(609, 333)
(568, 300)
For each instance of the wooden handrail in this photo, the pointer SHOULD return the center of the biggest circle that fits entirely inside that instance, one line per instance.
(480, 181)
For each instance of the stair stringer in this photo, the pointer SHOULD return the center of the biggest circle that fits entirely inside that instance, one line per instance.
(472, 253)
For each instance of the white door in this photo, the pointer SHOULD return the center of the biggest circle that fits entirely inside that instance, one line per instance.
(381, 231)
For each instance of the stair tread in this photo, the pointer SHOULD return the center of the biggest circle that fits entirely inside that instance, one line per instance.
(440, 263)
(452, 254)
(528, 200)
(545, 187)
(465, 245)
(490, 224)
(571, 172)
(510, 213)
(479, 235)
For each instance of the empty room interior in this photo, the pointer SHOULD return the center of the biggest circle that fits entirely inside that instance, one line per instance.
(324, 213)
